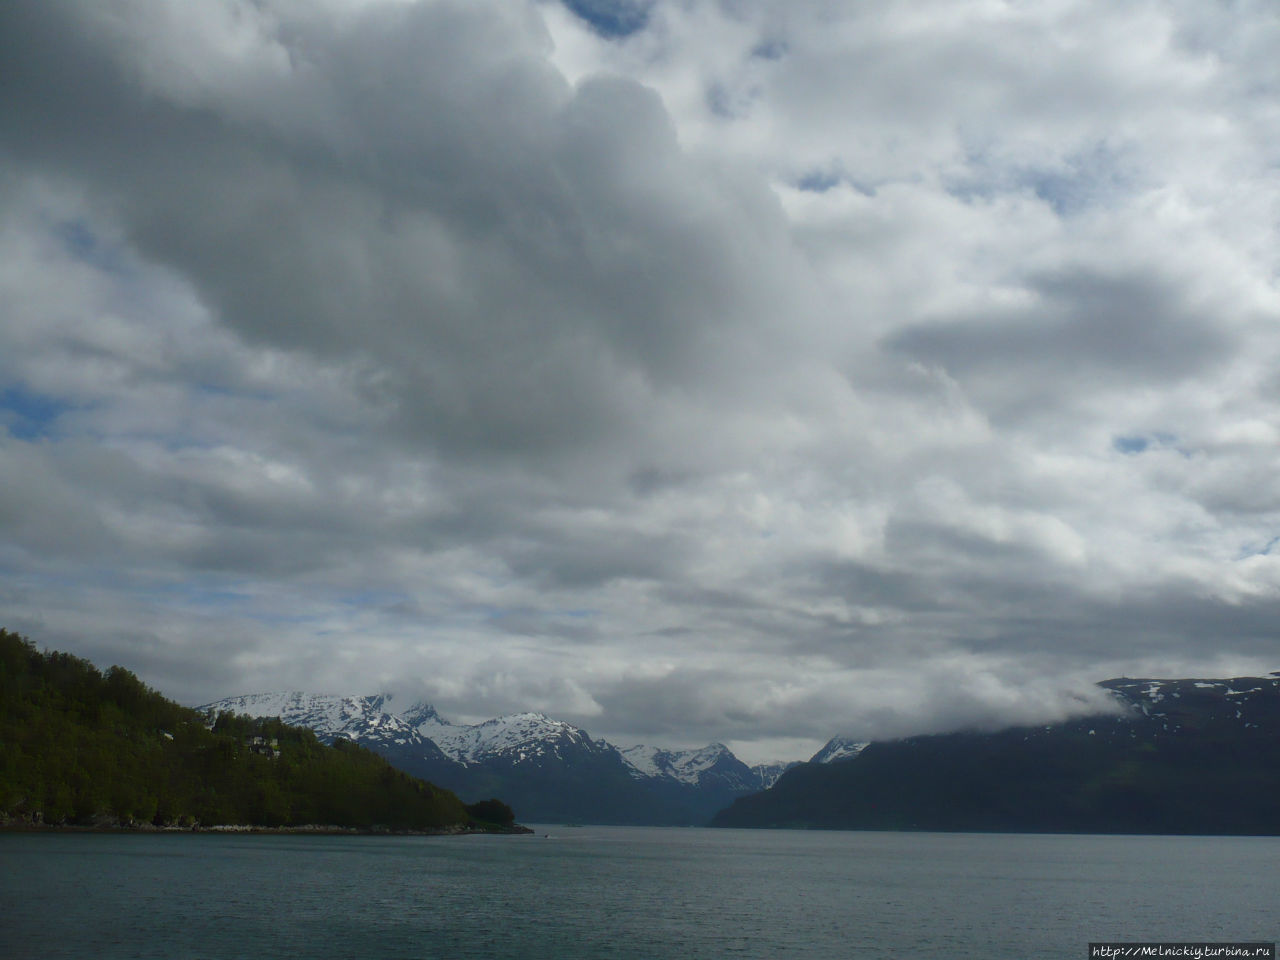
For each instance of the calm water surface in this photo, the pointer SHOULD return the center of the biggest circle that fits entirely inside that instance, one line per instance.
(626, 892)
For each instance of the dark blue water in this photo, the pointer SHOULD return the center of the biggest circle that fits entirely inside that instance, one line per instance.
(626, 892)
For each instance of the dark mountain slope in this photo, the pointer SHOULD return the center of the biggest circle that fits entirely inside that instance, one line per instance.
(1183, 756)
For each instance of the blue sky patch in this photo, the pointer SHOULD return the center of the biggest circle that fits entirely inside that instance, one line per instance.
(1130, 444)
(1138, 443)
(1064, 193)
(28, 415)
(1249, 550)
(79, 240)
(769, 50)
(818, 181)
(612, 18)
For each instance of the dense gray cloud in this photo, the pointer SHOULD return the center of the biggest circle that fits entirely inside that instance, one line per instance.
(1129, 328)
(687, 371)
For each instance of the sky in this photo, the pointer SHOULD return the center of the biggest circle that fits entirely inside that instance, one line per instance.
(687, 370)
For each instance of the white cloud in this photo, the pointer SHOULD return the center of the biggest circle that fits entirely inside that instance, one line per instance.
(765, 372)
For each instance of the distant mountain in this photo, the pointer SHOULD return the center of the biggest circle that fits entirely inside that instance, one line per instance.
(361, 719)
(548, 770)
(713, 767)
(700, 781)
(1177, 756)
(519, 739)
(710, 765)
(767, 774)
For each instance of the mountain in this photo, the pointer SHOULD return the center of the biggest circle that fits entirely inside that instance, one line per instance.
(361, 719)
(1194, 707)
(838, 748)
(548, 770)
(767, 774)
(82, 747)
(699, 781)
(709, 768)
(519, 739)
(1183, 756)
(712, 765)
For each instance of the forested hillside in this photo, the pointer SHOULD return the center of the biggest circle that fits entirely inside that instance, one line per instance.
(78, 746)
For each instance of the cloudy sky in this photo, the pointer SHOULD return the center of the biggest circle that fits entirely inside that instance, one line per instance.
(685, 369)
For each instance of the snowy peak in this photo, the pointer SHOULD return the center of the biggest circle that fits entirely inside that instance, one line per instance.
(329, 716)
(694, 767)
(520, 737)
(839, 748)
(421, 713)
(646, 761)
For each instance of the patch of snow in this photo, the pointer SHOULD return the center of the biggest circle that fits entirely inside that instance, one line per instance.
(643, 759)
(839, 748)
(330, 717)
(684, 766)
(767, 774)
(502, 735)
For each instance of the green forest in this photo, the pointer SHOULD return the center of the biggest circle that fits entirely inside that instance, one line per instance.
(82, 747)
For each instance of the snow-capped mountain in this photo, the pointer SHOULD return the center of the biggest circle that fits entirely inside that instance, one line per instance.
(694, 767)
(365, 720)
(546, 769)
(521, 738)
(712, 765)
(839, 748)
(329, 717)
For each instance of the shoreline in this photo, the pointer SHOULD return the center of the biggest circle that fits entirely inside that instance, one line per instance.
(313, 829)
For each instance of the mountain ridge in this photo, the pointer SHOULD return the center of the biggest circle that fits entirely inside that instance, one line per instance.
(555, 771)
(541, 764)
(1198, 756)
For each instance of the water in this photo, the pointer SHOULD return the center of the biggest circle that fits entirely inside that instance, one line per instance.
(626, 892)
